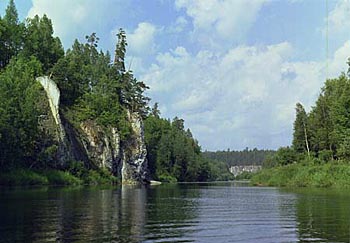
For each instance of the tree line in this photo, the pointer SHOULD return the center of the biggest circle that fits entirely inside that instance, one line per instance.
(175, 155)
(245, 157)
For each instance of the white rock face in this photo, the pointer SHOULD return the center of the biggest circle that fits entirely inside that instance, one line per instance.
(239, 169)
(134, 163)
(53, 93)
(102, 148)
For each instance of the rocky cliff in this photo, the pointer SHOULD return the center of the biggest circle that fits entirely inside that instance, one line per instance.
(99, 147)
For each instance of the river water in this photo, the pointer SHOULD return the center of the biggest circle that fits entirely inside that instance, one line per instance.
(214, 212)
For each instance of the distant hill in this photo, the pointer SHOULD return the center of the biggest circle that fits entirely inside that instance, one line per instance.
(244, 157)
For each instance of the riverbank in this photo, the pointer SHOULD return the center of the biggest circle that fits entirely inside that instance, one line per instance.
(26, 177)
(298, 175)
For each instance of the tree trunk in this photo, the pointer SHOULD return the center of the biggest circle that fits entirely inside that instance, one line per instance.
(306, 141)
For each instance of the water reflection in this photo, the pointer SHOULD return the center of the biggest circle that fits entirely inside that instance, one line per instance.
(323, 215)
(171, 213)
(174, 213)
(84, 214)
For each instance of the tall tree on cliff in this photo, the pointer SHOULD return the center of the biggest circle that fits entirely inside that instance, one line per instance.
(301, 136)
(39, 42)
(132, 91)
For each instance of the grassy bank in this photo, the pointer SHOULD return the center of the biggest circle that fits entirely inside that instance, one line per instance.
(26, 177)
(298, 175)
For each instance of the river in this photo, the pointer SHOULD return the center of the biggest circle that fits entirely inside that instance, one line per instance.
(207, 212)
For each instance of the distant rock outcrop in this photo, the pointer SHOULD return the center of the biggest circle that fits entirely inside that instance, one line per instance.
(237, 170)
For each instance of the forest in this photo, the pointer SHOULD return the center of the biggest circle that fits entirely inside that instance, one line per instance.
(93, 87)
(245, 157)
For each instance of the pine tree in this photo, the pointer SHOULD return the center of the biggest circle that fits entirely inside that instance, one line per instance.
(39, 42)
(300, 136)
(11, 30)
(155, 112)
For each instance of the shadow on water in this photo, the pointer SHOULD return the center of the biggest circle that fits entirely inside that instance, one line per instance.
(323, 215)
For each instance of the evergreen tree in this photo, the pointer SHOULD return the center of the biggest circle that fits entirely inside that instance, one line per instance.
(11, 34)
(120, 51)
(39, 42)
(321, 126)
(132, 91)
(301, 132)
(155, 112)
(19, 113)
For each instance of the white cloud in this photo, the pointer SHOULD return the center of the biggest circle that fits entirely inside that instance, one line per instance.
(338, 19)
(217, 20)
(339, 62)
(75, 19)
(179, 25)
(141, 40)
(243, 97)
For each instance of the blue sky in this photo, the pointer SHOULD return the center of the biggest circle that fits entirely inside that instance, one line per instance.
(233, 69)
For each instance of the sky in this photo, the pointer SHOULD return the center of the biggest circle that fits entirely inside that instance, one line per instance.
(232, 69)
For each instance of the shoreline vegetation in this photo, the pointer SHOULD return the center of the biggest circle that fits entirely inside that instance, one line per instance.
(27, 177)
(329, 175)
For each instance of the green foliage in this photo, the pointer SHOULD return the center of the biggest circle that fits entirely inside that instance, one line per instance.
(19, 112)
(170, 150)
(244, 176)
(95, 177)
(56, 177)
(90, 177)
(298, 175)
(120, 51)
(284, 156)
(92, 89)
(28, 177)
(11, 35)
(167, 178)
(301, 130)
(173, 153)
(244, 157)
(22, 177)
(270, 161)
(39, 42)
(325, 155)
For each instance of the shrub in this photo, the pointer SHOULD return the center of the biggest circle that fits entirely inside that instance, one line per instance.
(95, 177)
(56, 177)
(167, 178)
(21, 177)
(325, 155)
(244, 176)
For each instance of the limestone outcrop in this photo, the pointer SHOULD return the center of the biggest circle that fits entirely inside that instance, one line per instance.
(97, 146)
(134, 166)
(102, 148)
(239, 169)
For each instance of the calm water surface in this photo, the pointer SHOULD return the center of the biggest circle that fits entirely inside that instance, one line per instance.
(218, 212)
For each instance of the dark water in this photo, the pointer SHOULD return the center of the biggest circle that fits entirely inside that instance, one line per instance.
(226, 212)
